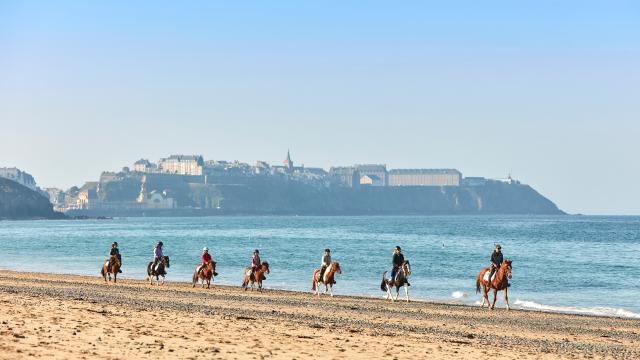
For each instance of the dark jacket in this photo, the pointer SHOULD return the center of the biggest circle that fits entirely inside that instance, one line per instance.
(496, 258)
(398, 259)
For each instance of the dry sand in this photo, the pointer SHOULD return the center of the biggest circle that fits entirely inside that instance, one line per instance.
(64, 316)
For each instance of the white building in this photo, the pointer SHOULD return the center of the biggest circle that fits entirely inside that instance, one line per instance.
(181, 165)
(20, 177)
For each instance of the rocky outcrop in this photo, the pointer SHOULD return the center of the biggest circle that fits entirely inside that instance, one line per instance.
(19, 202)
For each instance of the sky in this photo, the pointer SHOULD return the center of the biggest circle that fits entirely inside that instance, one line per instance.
(546, 91)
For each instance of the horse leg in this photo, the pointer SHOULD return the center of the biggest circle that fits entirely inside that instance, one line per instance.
(406, 291)
(486, 295)
(317, 289)
(397, 292)
(388, 292)
(506, 298)
(331, 290)
(495, 294)
(115, 275)
(162, 280)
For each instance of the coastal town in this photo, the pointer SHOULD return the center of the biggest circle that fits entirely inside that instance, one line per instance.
(191, 181)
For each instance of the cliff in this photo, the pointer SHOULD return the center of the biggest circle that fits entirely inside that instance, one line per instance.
(295, 198)
(272, 196)
(20, 202)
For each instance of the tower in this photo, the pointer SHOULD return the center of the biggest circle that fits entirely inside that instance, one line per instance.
(287, 162)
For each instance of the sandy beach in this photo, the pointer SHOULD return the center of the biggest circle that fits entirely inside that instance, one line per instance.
(65, 316)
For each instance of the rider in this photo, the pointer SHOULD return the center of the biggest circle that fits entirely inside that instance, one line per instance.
(324, 264)
(206, 257)
(157, 255)
(115, 252)
(255, 261)
(396, 261)
(495, 260)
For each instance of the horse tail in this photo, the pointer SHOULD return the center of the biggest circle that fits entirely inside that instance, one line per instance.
(479, 281)
(383, 285)
(313, 282)
(102, 270)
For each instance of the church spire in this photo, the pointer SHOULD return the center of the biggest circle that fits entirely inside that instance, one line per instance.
(287, 162)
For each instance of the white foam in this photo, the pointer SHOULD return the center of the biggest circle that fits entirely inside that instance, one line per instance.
(459, 295)
(597, 311)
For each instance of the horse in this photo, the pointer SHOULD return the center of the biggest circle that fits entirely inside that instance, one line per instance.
(256, 277)
(159, 271)
(500, 282)
(206, 275)
(111, 266)
(327, 279)
(401, 279)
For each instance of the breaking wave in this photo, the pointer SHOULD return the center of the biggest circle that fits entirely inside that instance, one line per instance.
(597, 311)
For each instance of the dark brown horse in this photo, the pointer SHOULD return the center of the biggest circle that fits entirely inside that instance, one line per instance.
(327, 278)
(206, 274)
(111, 267)
(499, 282)
(256, 277)
(159, 271)
(401, 279)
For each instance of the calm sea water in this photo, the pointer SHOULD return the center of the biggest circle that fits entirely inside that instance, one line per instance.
(578, 264)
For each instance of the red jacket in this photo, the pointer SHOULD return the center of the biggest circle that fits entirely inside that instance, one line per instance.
(206, 257)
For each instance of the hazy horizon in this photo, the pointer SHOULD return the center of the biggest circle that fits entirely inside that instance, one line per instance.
(544, 91)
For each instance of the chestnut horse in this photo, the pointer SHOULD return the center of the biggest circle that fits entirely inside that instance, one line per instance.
(499, 282)
(256, 277)
(402, 279)
(159, 271)
(206, 275)
(327, 279)
(111, 266)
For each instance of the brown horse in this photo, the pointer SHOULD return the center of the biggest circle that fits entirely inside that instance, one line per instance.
(159, 271)
(206, 275)
(327, 279)
(499, 282)
(111, 266)
(256, 277)
(401, 279)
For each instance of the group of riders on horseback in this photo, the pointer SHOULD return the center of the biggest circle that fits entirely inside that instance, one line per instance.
(494, 277)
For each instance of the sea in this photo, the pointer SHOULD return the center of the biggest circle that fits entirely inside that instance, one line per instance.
(569, 264)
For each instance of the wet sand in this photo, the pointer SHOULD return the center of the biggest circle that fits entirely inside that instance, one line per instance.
(66, 316)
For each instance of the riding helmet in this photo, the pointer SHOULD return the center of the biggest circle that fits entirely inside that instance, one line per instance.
(398, 248)
(256, 251)
(205, 249)
(160, 243)
(327, 250)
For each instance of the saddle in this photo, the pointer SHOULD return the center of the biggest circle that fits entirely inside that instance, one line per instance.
(486, 276)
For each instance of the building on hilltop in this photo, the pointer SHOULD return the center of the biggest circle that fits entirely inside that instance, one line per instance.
(288, 167)
(377, 170)
(182, 165)
(424, 177)
(20, 177)
(347, 176)
(144, 166)
(371, 180)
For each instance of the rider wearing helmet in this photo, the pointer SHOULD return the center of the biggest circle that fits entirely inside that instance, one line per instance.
(115, 252)
(396, 261)
(325, 262)
(495, 260)
(157, 255)
(206, 257)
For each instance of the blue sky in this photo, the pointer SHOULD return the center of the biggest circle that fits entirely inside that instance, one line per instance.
(548, 91)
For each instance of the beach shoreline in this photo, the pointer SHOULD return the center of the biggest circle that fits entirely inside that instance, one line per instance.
(74, 316)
